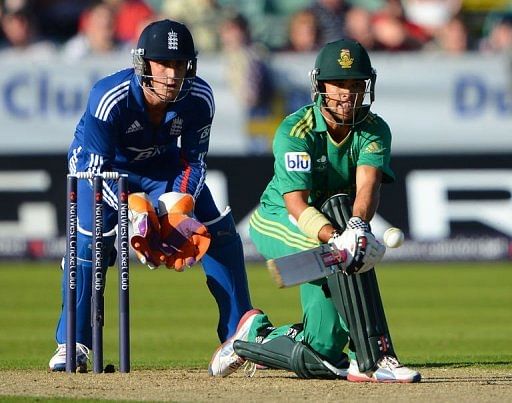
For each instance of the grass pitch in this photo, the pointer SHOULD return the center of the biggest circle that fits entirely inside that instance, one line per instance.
(439, 314)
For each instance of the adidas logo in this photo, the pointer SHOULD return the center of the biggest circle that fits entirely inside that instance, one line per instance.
(135, 127)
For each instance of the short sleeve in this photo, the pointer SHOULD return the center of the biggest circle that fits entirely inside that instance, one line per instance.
(375, 150)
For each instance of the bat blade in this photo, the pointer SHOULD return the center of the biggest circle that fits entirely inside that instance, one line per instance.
(306, 266)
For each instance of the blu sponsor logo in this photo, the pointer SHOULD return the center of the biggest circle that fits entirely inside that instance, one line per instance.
(297, 161)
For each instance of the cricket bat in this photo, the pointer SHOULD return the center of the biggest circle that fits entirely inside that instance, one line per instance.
(306, 266)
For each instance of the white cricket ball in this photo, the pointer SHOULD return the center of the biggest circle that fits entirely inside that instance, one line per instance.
(393, 237)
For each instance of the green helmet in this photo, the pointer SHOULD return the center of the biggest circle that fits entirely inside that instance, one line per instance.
(344, 59)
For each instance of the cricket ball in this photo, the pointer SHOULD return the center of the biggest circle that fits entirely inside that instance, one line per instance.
(393, 237)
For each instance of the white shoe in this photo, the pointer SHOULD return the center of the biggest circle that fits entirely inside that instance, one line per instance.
(58, 361)
(224, 360)
(389, 370)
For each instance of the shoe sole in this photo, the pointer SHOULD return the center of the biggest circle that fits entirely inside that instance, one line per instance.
(57, 368)
(81, 368)
(246, 316)
(355, 378)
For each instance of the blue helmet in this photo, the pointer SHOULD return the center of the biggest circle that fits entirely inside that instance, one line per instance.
(162, 41)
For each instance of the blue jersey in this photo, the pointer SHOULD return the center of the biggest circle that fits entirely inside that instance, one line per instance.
(115, 133)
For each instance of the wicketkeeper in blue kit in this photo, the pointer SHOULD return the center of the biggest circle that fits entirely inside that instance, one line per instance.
(153, 122)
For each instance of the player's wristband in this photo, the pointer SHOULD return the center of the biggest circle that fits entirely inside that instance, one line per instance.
(356, 222)
(311, 221)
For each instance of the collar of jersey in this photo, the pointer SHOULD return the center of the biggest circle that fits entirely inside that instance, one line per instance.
(321, 127)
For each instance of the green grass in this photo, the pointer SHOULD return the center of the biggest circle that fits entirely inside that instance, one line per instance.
(439, 314)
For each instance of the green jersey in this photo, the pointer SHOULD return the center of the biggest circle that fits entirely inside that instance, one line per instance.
(307, 158)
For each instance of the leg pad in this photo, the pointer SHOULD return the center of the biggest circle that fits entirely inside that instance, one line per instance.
(357, 299)
(285, 353)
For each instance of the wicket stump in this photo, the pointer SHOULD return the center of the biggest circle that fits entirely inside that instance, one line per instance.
(98, 273)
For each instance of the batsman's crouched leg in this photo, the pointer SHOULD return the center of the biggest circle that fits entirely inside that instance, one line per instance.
(285, 353)
(324, 331)
(224, 267)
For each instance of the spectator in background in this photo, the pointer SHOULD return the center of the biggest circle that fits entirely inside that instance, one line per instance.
(303, 32)
(58, 20)
(96, 34)
(391, 34)
(21, 33)
(499, 38)
(143, 23)
(129, 16)
(331, 18)
(247, 70)
(247, 73)
(428, 16)
(358, 26)
(450, 38)
(202, 16)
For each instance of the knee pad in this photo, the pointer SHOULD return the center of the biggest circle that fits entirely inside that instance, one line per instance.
(222, 229)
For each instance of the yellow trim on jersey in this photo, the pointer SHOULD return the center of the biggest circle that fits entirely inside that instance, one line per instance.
(338, 145)
(300, 129)
(280, 232)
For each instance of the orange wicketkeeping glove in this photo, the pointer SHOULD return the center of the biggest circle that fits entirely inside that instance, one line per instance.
(146, 230)
(184, 239)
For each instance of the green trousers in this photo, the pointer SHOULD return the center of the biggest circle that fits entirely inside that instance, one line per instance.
(323, 328)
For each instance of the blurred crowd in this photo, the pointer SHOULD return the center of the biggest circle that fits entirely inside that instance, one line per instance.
(82, 27)
(247, 33)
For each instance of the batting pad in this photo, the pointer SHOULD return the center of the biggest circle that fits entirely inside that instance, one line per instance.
(357, 299)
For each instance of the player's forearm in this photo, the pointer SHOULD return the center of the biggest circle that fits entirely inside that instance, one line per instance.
(368, 180)
(366, 202)
(296, 202)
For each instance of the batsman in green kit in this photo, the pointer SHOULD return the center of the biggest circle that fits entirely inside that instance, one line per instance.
(331, 157)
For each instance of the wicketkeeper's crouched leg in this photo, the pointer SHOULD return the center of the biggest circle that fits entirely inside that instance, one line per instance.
(225, 273)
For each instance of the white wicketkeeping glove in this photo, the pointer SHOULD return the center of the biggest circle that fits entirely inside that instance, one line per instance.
(363, 250)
